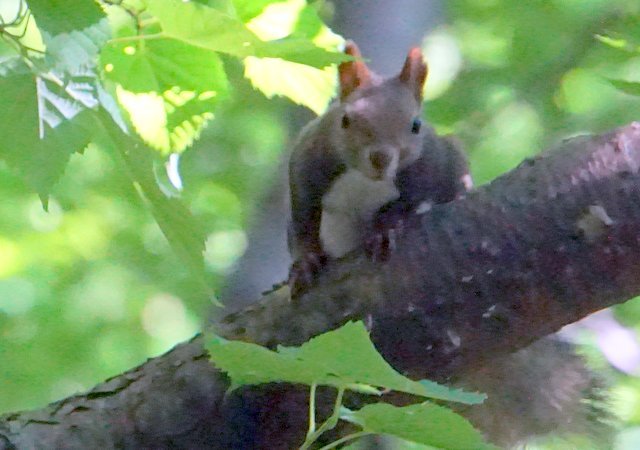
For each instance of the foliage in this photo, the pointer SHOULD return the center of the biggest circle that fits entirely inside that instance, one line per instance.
(347, 360)
(344, 358)
(98, 99)
(94, 98)
(426, 424)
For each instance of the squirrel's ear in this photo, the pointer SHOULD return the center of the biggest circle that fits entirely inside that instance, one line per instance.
(353, 74)
(414, 72)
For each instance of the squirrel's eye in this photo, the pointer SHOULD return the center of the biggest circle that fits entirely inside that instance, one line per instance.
(345, 121)
(415, 126)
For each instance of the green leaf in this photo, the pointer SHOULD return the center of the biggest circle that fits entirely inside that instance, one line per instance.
(43, 123)
(169, 88)
(62, 16)
(181, 230)
(177, 223)
(212, 29)
(309, 23)
(205, 27)
(301, 51)
(340, 358)
(52, 105)
(628, 87)
(425, 423)
(160, 65)
(452, 394)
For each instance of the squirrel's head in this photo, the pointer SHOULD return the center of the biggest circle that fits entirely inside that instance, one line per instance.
(380, 120)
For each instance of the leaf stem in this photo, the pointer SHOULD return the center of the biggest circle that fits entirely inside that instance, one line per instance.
(328, 424)
(312, 409)
(347, 438)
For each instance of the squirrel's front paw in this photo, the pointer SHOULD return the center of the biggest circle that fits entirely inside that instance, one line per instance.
(304, 271)
(381, 243)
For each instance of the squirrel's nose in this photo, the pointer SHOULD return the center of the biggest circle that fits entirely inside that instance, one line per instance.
(380, 161)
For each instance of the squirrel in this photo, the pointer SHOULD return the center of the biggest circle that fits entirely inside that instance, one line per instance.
(358, 169)
(361, 168)
(367, 163)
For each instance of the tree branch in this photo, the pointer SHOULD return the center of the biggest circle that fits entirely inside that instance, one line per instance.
(469, 281)
(540, 247)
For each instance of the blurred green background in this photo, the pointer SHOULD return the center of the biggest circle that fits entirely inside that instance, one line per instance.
(91, 288)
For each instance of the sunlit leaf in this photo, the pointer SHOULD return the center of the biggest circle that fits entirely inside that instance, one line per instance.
(277, 20)
(148, 116)
(304, 85)
(168, 122)
(342, 357)
(168, 87)
(248, 9)
(425, 423)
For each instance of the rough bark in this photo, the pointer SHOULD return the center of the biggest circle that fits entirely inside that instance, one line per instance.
(541, 247)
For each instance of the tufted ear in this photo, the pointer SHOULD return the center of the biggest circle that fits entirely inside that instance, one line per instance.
(353, 74)
(414, 72)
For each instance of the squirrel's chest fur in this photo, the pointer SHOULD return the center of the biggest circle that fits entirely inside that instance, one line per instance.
(348, 206)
